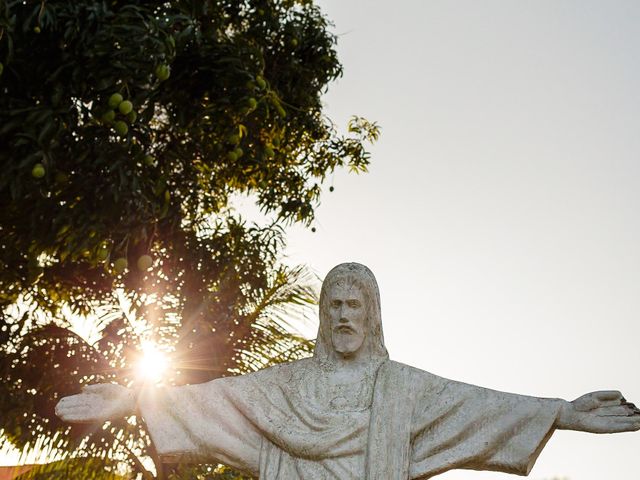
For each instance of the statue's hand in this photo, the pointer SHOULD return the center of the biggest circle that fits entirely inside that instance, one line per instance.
(97, 403)
(600, 412)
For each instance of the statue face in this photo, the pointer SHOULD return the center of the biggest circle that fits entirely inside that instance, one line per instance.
(348, 315)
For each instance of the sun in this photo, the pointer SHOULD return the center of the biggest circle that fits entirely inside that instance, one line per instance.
(153, 363)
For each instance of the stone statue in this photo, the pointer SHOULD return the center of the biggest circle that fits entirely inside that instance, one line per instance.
(349, 412)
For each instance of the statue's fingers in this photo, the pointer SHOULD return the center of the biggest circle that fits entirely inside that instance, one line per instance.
(606, 404)
(619, 424)
(616, 411)
(74, 401)
(79, 418)
(631, 406)
(59, 409)
(75, 407)
(595, 400)
(75, 413)
(65, 403)
(78, 406)
(607, 396)
(626, 424)
(96, 387)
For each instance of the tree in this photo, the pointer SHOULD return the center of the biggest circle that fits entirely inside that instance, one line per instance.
(126, 129)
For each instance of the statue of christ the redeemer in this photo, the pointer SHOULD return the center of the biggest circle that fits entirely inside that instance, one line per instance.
(349, 412)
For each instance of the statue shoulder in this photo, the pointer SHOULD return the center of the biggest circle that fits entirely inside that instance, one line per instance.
(415, 376)
(261, 380)
(404, 369)
(280, 372)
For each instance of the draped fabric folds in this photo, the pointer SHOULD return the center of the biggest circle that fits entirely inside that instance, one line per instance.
(272, 425)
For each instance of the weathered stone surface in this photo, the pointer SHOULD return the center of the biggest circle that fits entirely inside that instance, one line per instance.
(349, 412)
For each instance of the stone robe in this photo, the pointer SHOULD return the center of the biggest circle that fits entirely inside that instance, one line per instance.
(278, 424)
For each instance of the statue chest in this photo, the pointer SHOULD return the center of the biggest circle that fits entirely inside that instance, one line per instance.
(336, 390)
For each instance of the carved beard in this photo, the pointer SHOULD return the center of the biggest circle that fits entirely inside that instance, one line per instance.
(346, 340)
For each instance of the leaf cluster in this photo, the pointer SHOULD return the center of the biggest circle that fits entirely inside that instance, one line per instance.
(126, 128)
(239, 113)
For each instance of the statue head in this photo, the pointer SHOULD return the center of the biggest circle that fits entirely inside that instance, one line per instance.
(350, 319)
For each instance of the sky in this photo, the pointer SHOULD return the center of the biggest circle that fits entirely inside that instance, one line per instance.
(501, 211)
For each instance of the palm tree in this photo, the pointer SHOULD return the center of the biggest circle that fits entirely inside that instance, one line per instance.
(51, 359)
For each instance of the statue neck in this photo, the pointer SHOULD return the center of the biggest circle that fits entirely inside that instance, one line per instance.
(357, 364)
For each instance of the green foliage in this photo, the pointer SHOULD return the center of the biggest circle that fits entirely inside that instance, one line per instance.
(84, 468)
(126, 128)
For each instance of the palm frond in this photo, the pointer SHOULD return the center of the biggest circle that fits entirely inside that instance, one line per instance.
(286, 303)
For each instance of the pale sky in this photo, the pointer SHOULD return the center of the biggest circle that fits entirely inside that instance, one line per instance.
(501, 211)
(501, 214)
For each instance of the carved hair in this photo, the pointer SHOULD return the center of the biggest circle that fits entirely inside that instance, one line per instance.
(352, 274)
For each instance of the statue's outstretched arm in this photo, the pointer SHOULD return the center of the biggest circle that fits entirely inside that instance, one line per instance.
(599, 412)
(186, 423)
(97, 403)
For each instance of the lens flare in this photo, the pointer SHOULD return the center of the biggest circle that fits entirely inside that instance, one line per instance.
(153, 364)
